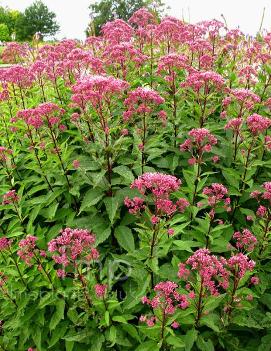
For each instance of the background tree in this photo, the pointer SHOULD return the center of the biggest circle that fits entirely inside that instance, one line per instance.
(36, 18)
(107, 10)
(4, 32)
(8, 22)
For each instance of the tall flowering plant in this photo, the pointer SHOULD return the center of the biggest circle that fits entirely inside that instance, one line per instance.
(96, 96)
(156, 208)
(144, 108)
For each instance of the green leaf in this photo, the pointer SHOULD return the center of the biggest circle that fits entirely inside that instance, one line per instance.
(124, 172)
(125, 238)
(92, 197)
(232, 177)
(212, 321)
(107, 318)
(58, 333)
(48, 299)
(36, 335)
(185, 245)
(119, 319)
(131, 330)
(112, 335)
(112, 205)
(58, 315)
(190, 338)
(205, 345)
(265, 343)
(175, 341)
(148, 346)
(69, 345)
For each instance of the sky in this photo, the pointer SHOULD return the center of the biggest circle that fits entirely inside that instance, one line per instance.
(73, 15)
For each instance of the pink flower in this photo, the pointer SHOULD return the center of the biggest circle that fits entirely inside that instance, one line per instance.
(142, 17)
(170, 231)
(134, 205)
(4, 243)
(154, 220)
(76, 164)
(117, 31)
(27, 249)
(71, 245)
(245, 240)
(261, 212)
(61, 273)
(241, 263)
(156, 183)
(250, 297)
(10, 197)
(175, 325)
(183, 272)
(255, 280)
(258, 124)
(151, 322)
(211, 269)
(216, 194)
(182, 204)
(124, 132)
(142, 101)
(198, 80)
(192, 161)
(141, 147)
(245, 97)
(96, 89)
(215, 159)
(200, 141)
(100, 290)
(192, 295)
(5, 153)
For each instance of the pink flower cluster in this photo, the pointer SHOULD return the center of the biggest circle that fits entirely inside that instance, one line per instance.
(4, 153)
(210, 268)
(142, 101)
(14, 52)
(234, 124)
(10, 197)
(18, 75)
(142, 18)
(217, 193)
(121, 54)
(200, 141)
(134, 205)
(72, 245)
(48, 113)
(170, 64)
(264, 200)
(96, 89)
(100, 290)
(27, 249)
(159, 186)
(4, 243)
(117, 31)
(206, 80)
(240, 264)
(258, 124)
(167, 300)
(245, 240)
(244, 97)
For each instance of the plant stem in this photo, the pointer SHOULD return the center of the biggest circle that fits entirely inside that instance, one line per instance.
(199, 305)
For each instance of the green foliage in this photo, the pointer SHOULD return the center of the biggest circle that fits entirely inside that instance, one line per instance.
(4, 32)
(36, 18)
(75, 168)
